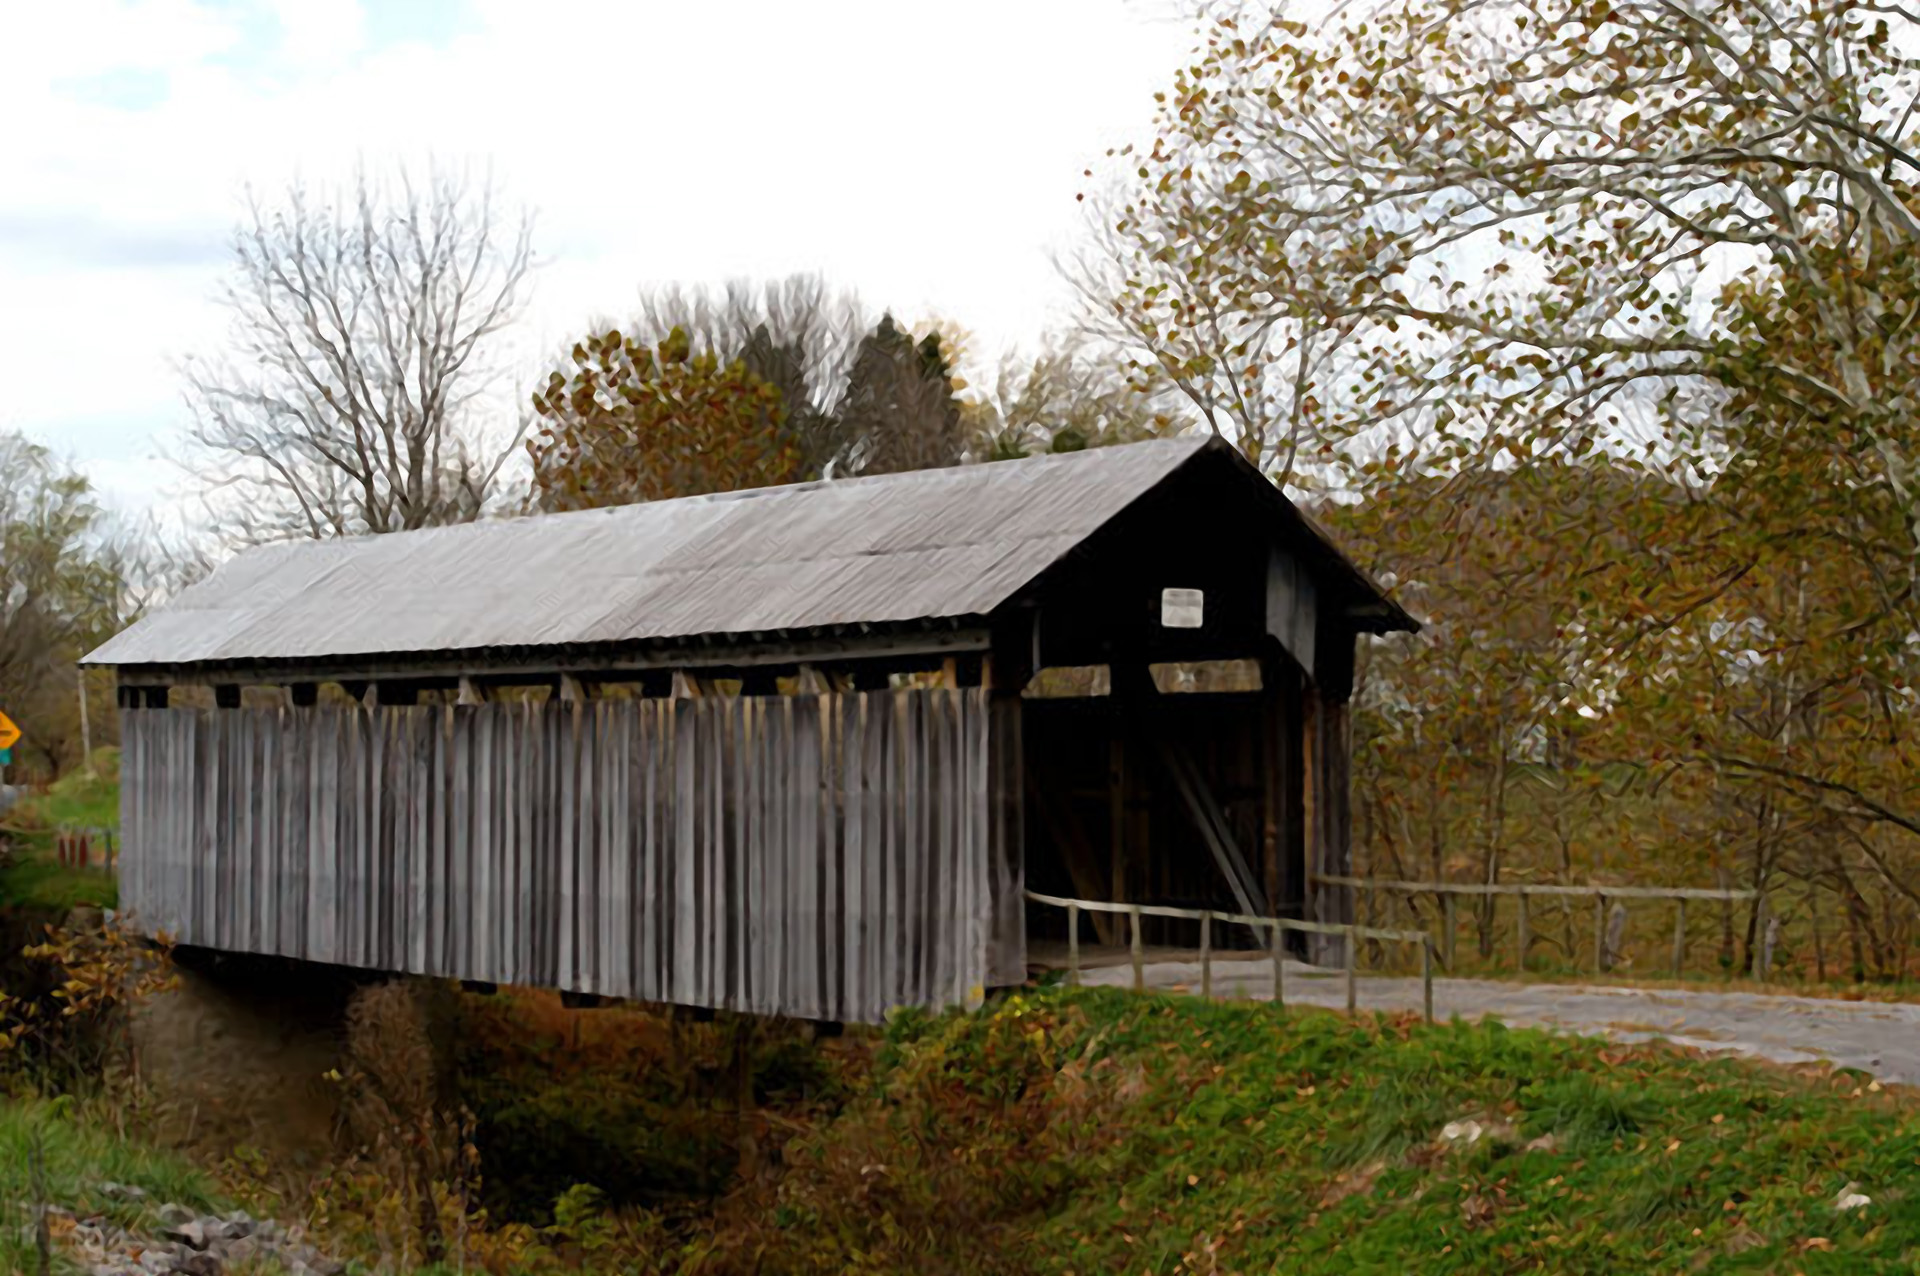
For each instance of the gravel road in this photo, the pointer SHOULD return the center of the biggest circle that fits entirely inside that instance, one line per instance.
(1878, 1038)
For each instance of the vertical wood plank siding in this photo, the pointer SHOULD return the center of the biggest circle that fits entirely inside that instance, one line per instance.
(825, 857)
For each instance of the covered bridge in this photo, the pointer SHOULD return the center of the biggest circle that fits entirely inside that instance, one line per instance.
(777, 751)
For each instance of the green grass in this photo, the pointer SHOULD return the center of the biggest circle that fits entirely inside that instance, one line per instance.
(36, 879)
(1099, 1131)
(77, 1153)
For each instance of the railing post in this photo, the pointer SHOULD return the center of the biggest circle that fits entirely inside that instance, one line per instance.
(1769, 930)
(1679, 936)
(1206, 955)
(1600, 934)
(1524, 937)
(1426, 977)
(1073, 945)
(1353, 970)
(1139, 950)
(1450, 922)
(1279, 964)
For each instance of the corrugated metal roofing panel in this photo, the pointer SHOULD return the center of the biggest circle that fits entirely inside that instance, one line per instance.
(902, 547)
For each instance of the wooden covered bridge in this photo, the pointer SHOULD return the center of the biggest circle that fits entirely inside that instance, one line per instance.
(779, 751)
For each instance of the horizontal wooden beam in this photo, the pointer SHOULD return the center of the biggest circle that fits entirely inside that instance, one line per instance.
(1236, 919)
(850, 650)
(1732, 894)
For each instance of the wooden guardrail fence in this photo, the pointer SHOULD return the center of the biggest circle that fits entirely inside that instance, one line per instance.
(1448, 893)
(1277, 926)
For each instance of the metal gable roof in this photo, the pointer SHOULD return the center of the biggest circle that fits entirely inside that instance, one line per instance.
(931, 544)
(900, 547)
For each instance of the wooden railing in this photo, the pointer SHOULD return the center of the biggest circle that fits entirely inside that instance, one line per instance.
(1277, 927)
(1448, 893)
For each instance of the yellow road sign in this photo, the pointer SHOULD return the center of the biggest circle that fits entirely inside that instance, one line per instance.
(9, 734)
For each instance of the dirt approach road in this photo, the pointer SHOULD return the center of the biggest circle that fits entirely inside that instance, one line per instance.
(1878, 1038)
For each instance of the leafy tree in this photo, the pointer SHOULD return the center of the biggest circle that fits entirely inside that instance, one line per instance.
(1435, 238)
(639, 424)
(902, 410)
(1063, 399)
(797, 334)
(61, 592)
(348, 398)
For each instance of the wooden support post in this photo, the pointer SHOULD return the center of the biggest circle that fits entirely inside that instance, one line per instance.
(1206, 955)
(1449, 922)
(1600, 933)
(1279, 964)
(1073, 945)
(1117, 806)
(1312, 838)
(1138, 949)
(1327, 794)
(1679, 936)
(1278, 873)
(1352, 971)
(1426, 979)
(1523, 937)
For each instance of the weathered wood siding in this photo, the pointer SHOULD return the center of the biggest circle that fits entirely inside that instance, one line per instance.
(824, 857)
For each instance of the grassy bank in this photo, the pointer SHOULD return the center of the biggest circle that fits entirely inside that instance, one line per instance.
(53, 1151)
(33, 877)
(1101, 1132)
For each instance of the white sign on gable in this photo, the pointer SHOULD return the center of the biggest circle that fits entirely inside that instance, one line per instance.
(1182, 608)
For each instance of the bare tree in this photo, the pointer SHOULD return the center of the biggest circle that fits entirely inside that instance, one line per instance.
(1073, 394)
(350, 396)
(797, 334)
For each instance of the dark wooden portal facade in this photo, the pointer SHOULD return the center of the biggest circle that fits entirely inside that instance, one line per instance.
(1152, 795)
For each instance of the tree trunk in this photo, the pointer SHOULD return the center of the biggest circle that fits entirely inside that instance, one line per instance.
(1496, 831)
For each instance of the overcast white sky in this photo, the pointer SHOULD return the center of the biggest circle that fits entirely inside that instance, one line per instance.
(926, 155)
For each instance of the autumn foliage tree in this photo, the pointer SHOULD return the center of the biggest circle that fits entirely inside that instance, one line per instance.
(633, 423)
(1665, 247)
